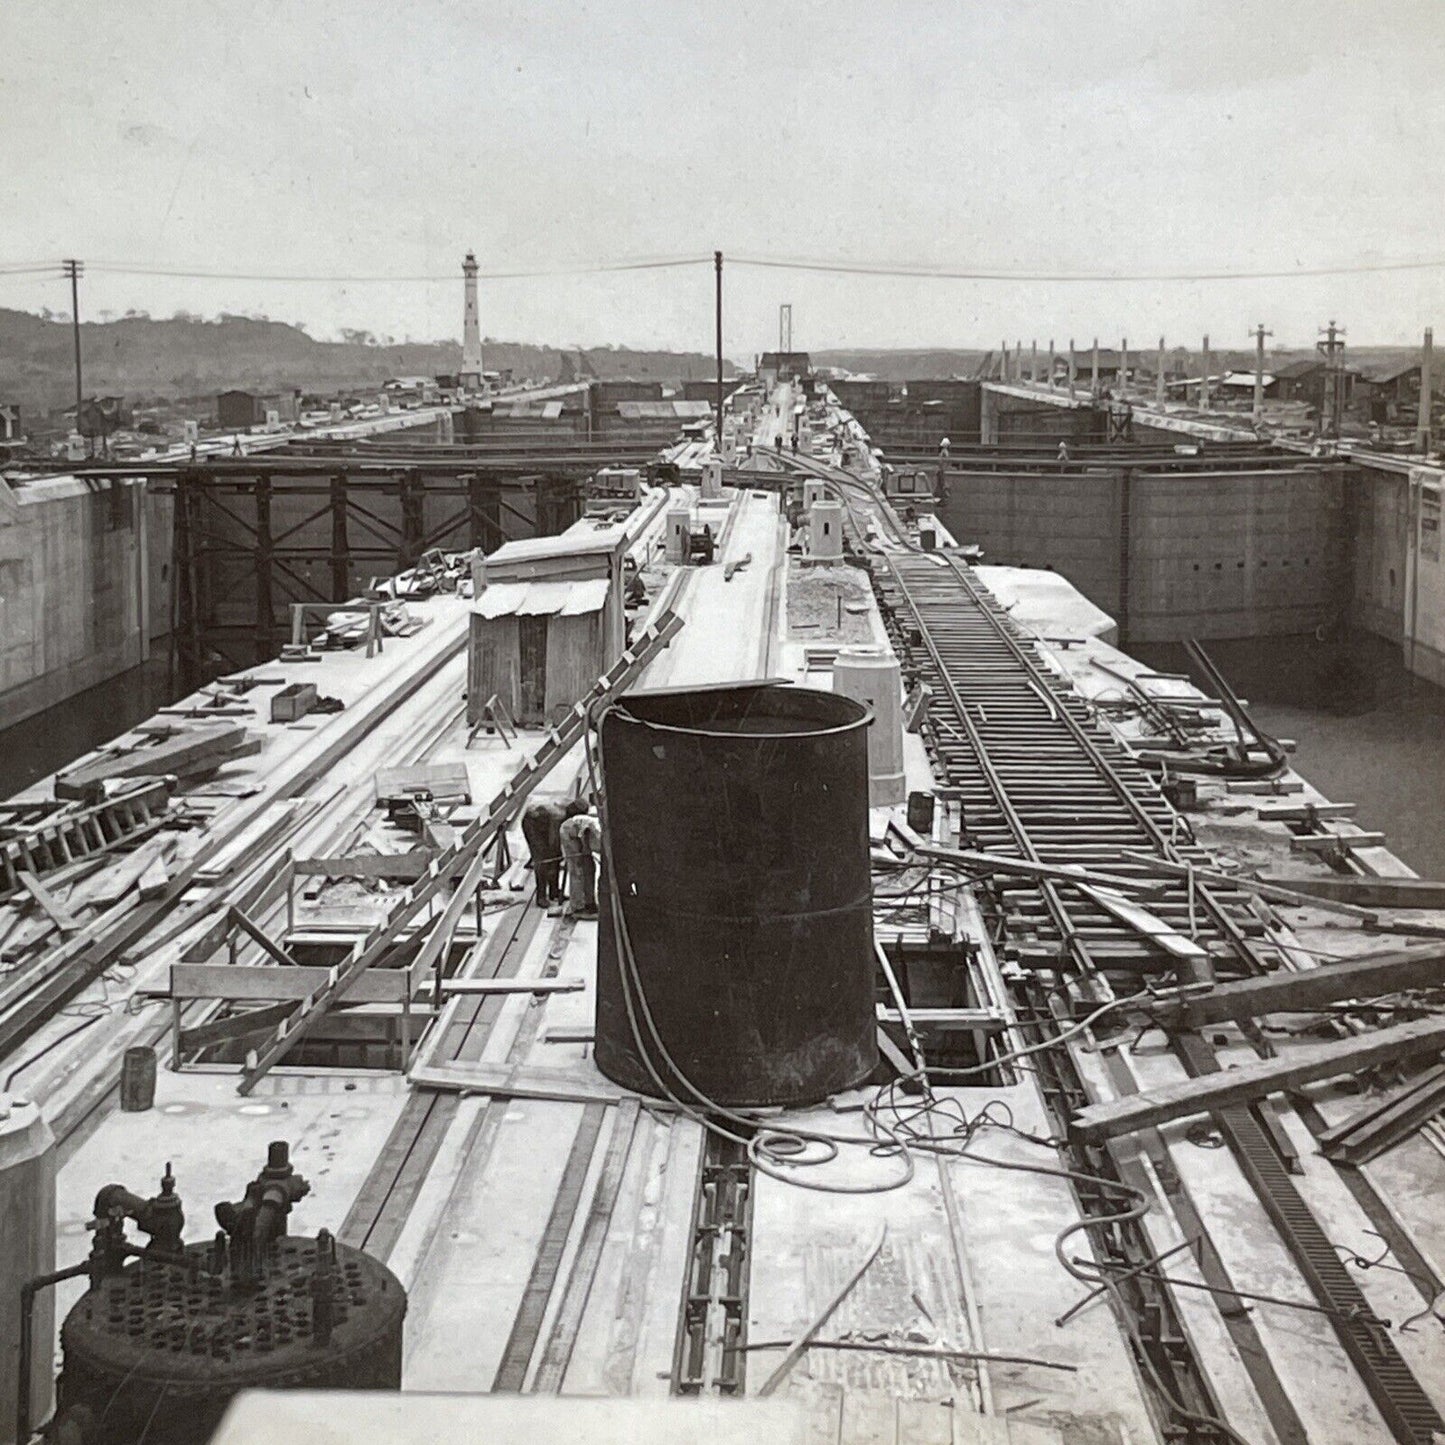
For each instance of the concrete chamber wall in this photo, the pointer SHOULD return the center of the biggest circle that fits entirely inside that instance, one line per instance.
(1067, 524)
(73, 589)
(1378, 504)
(1171, 556)
(1235, 554)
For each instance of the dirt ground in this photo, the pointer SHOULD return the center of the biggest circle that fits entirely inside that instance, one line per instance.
(814, 595)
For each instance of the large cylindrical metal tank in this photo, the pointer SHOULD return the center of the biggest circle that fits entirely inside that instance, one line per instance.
(153, 1352)
(27, 1250)
(737, 843)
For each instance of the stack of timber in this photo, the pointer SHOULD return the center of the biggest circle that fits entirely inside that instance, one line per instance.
(185, 752)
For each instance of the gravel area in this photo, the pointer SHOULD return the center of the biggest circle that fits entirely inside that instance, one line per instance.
(814, 594)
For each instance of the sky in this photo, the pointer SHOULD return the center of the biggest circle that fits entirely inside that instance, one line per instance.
(343, 138)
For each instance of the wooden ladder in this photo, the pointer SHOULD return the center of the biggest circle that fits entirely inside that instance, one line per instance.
(467, 857)
(67, 837)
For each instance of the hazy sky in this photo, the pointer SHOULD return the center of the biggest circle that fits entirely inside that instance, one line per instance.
(350, 137)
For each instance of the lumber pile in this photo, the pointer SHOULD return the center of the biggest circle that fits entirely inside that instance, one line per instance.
(1305, 1064)
(49, 911)
(187, 752)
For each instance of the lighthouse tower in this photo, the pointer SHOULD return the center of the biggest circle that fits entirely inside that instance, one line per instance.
(471, 375)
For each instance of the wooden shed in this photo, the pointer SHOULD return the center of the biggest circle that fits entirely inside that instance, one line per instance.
(546, 624)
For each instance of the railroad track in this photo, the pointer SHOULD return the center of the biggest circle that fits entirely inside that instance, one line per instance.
(1038, 777)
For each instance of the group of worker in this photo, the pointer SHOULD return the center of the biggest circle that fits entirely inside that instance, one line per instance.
(570, 833)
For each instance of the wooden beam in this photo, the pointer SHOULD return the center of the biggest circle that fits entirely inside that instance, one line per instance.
(54, 909)
(1368, 976)
(1336, 842)
(1304, 1064)
(1367, 893)
(239, 981)
(524, 1081)
(365, 865)
(1273, 889)
(256, 935)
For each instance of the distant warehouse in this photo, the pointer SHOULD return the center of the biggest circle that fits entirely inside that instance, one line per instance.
(240, 410)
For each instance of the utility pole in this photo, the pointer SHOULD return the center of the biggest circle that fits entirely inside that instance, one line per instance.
(1259, 333)
(1073, 366)
(1426, 419)
(1050, 377)
(1159, 378)
(1096, 367)
(718, 435)
(1204, 380)
(1332, 348)
(75, 270)
(1123, 363)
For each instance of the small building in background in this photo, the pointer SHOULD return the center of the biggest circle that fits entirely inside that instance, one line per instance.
(238, 410)
(1387, 392)
(1303, 380)
(547, 622)
(100, 416)
(776, 366)
(10, 428)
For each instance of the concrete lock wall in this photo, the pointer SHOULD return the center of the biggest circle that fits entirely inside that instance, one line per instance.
(1066, 524)
(73, 590)
(1235, 554)
(1424, 621)
(1378, 506)
(1171, 556)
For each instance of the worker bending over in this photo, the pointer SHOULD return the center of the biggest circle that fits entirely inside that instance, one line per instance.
(582, 847)
(542, 828)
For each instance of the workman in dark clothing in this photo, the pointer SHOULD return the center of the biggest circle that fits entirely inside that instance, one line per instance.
(542, 828)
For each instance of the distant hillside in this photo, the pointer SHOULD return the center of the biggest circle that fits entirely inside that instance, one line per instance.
(145, 359)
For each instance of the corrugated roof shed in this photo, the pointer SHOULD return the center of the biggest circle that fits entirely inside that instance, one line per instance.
(542, 599)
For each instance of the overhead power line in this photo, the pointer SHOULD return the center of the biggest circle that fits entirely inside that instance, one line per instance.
(579, 269)
(818, 266)
(943, 273)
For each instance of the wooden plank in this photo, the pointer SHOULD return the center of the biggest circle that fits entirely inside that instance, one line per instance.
(365, 865)
(1275, 890)
(54, 909)
(185, 749)
(245, 981)
(1330, 842)
(1304, 1064)
(258, 936)
(523, 1081)
(152, 882)
(547, 1264)
(118, 880)
(1303, 812)
(568, 1322)
(1309, 988)
(1366, 892)
(224, 1030)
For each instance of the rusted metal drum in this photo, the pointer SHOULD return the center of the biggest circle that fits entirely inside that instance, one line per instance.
(735, 942)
